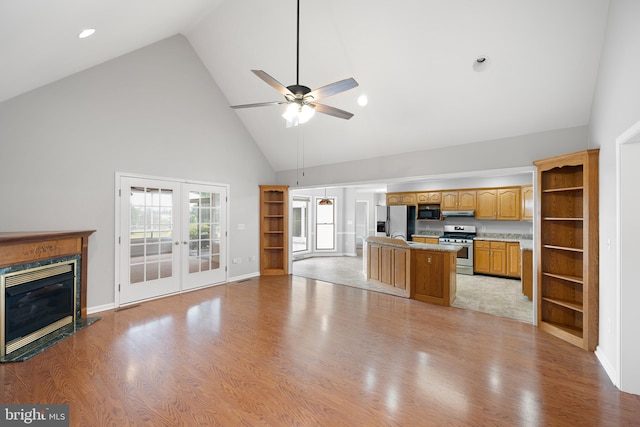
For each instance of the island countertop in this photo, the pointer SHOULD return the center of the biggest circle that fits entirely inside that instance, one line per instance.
(399, 243)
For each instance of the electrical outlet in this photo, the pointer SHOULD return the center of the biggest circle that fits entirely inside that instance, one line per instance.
(252, 258)
(240, 226)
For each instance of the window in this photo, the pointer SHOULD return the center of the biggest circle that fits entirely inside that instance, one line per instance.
(325, 226)
(300, 225)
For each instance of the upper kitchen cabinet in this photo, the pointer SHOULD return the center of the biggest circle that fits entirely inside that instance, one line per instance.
(429, 198)
(499, 203)
(462, 200)
(487, 201)
(509, 204)
(567, 250)
(401, 199)
(526, 196)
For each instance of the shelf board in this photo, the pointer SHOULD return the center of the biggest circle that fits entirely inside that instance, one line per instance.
(574, 279)
(568, 333)
(564, 303)
(553, 218)
(555, 190)
(273, 216)
(279, 202)
(563, 248)
(273, 248)
(273, 232)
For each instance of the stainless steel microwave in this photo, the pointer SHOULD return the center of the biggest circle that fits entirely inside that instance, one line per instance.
(428, 213)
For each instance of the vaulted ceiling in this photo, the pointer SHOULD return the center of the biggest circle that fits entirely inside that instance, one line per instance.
(413, 59)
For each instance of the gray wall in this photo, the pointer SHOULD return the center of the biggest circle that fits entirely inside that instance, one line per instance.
(616, 107)
(516, 152)
(155, 111)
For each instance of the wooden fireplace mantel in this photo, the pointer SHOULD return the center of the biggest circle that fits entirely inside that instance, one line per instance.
(24, 247)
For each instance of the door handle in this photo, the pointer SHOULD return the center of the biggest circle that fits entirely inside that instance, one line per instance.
(176, 243)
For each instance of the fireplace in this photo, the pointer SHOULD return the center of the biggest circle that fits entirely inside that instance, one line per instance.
(43, 290)
(36, 301)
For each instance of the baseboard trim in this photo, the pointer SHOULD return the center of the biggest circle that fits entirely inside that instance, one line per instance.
(99, 308)
(608, 366)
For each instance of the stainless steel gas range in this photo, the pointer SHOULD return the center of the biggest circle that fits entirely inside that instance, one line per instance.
(461, 235)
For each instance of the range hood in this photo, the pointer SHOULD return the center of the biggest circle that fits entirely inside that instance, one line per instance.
(453, 214)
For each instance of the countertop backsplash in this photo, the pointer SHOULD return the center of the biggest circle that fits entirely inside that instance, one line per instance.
(482, 227)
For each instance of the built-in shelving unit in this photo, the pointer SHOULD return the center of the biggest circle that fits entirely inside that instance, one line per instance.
(273, 229)
(568, 247)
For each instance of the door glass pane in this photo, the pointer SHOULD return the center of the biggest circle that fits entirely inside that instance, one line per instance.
(325, 234)
(300, 225)
(150, 234)
(204, 231)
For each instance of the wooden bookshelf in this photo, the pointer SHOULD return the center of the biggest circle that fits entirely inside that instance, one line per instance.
(568, 247)
(274, 247)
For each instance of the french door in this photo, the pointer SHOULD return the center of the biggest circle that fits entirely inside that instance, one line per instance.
(172, 237)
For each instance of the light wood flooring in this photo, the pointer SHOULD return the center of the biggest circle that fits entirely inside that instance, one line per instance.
(290, 351)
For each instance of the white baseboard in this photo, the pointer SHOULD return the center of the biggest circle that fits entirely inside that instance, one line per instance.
(608, 367)
(243, 277)
(99, 308)
(111, 306)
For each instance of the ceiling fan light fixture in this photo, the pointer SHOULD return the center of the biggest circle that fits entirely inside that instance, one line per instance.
(296, 114)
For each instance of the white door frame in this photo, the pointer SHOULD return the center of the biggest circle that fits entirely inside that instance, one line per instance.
(118, 225)
(627, 270)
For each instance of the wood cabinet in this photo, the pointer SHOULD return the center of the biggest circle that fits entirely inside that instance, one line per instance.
(429, 198)
(568, 247)
(389, 265)
(514, 263)
(509, 207)
(434, 276)
(487, 203)
(501, 204)
(492, 257)
(401, 199)
(526, 195)
(463, 200)
(274, 251)
(497, 258)
(527, 273)
(425, 239)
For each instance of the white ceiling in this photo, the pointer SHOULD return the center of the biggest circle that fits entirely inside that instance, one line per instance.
(413, 59)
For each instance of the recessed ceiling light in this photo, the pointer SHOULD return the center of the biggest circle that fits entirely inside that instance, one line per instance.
(87, 32)
(481, 63)
(363, 100)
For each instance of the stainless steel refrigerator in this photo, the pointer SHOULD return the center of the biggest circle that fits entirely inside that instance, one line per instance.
(397, 222)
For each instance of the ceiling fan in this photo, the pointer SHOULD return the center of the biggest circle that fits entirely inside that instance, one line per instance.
(301, 99)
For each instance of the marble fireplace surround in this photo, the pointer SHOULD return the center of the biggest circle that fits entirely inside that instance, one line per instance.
(22, 250)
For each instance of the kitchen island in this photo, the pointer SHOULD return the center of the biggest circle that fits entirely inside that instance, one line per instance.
(422, 271)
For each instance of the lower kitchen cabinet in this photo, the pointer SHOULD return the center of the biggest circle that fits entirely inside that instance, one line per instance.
(418, 273)
(490, 257)
(389, 265)
(496, 258)
(527, 273)
(434, 277)
(513, 259)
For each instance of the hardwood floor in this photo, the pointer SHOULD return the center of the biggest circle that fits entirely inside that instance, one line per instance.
(285, 350)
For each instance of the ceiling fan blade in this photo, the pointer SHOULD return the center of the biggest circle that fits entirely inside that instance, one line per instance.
(332, 89)
(273, 82)
(332, 111)
(259, 104)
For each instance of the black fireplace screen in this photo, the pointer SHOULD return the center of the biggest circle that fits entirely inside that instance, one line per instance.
(36, 304)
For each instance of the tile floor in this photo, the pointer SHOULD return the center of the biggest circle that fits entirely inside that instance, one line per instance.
(493, 295)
